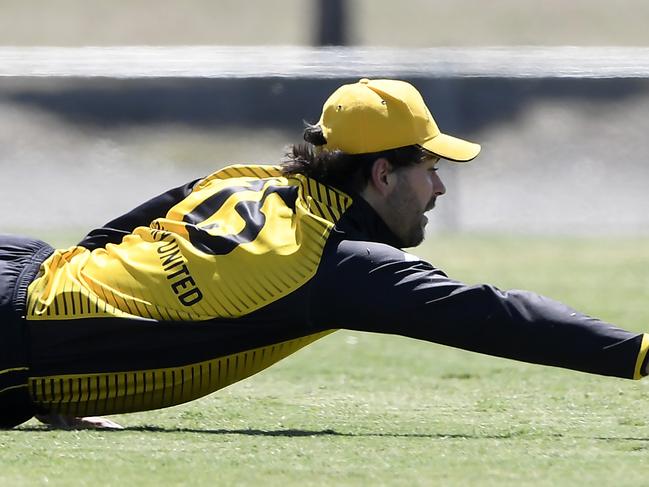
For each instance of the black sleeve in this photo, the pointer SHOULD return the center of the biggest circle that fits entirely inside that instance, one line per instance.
(115, 230)
(377, 288)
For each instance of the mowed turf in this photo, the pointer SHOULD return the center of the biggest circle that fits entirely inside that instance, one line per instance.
(362, 409)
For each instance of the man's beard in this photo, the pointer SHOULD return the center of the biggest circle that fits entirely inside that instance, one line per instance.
(410, 221)
(416, 233)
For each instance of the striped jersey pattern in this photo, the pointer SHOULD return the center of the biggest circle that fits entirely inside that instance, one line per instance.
(244, 237)
(141, 390)
(188, 265)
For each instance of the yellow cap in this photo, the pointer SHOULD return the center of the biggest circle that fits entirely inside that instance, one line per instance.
(382, 114)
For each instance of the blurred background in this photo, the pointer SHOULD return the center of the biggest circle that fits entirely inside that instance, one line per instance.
(560, 156)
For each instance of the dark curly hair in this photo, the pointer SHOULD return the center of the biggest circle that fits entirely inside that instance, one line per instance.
(339, 169)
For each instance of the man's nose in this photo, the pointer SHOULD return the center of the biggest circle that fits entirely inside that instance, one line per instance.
(438, 186)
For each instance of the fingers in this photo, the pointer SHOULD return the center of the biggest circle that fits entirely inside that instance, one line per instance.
(72, 422)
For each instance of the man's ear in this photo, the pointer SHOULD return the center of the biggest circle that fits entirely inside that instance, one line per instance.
(382, 176)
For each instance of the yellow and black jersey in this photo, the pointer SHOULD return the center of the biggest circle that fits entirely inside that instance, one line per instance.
(225, 246)
(217, 279)
(186, 264)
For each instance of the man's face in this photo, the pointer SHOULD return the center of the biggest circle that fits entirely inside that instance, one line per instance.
(417, 188)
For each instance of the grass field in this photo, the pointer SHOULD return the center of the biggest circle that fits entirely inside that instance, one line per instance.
(361, 409)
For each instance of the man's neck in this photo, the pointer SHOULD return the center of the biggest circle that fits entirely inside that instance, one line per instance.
(369, 222)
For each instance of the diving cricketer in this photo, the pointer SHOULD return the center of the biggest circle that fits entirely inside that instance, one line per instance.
(219, 278)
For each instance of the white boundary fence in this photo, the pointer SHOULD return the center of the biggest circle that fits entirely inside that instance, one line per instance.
(563, 165)
(305, 62)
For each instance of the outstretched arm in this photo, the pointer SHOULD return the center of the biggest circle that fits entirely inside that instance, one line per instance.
(381, 289)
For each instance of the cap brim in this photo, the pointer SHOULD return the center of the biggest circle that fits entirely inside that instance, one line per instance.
(452, 148)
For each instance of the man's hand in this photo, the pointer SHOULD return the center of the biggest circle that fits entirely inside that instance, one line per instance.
(72, 422)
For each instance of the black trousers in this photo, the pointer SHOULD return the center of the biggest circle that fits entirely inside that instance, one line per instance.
(20, 259)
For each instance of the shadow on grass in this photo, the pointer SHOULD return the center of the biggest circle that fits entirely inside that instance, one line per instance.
(296, 433)
(299, 433)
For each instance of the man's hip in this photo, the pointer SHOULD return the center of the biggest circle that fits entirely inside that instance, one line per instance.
(20, 259)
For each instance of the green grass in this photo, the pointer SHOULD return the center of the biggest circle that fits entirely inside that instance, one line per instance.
(362, 409)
